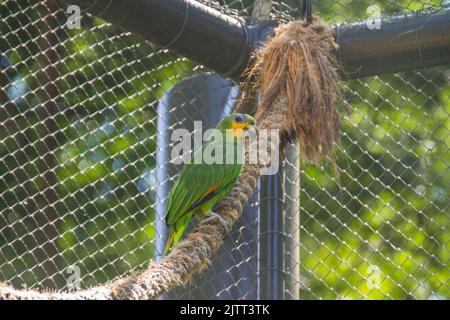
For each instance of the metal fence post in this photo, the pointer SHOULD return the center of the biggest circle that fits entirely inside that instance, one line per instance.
(279, 233)
(271, 266)
(291, 195)
(421, 40)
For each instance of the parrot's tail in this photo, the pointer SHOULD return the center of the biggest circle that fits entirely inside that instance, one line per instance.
(176, 232)
(170, 242)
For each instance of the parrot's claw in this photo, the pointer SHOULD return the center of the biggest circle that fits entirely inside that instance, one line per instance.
(215, 216)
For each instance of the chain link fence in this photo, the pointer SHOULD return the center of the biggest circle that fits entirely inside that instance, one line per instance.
(81, 186)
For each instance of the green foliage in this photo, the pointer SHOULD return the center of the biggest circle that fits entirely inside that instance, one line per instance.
(108, 86)
(389, 207)
(388, 211)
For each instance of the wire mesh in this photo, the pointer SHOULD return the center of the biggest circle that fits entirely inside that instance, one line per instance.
(78, 182)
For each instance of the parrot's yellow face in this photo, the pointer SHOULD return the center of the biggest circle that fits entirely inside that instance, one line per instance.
(238, 124)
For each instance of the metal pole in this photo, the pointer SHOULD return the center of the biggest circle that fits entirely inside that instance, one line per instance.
(291, 195)
(406, 42)
(271, 266)
(279, 233)
(187, 27)
(270, 214)
(225, 43)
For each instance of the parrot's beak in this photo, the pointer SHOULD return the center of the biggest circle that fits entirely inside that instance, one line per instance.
(250, 127)
(239, 126)
(245, 126)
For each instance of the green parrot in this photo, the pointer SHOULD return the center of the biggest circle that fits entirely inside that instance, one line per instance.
(202, 185)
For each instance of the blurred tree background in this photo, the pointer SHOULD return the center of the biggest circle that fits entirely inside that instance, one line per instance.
(77, 159)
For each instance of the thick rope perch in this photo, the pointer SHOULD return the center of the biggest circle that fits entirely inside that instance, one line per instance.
(296, 79)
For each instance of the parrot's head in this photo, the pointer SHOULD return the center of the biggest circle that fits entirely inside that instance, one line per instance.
(238, 124)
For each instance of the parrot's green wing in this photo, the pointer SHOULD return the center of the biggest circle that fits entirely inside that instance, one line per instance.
(199, 186)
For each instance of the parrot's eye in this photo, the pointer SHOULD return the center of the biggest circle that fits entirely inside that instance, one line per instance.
(252, 123)
(238, 119)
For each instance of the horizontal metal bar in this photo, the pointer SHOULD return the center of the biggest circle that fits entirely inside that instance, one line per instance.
(225, 43)
(187, 27)
(413, 41)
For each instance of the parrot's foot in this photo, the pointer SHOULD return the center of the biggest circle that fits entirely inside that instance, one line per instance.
(215, 216)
